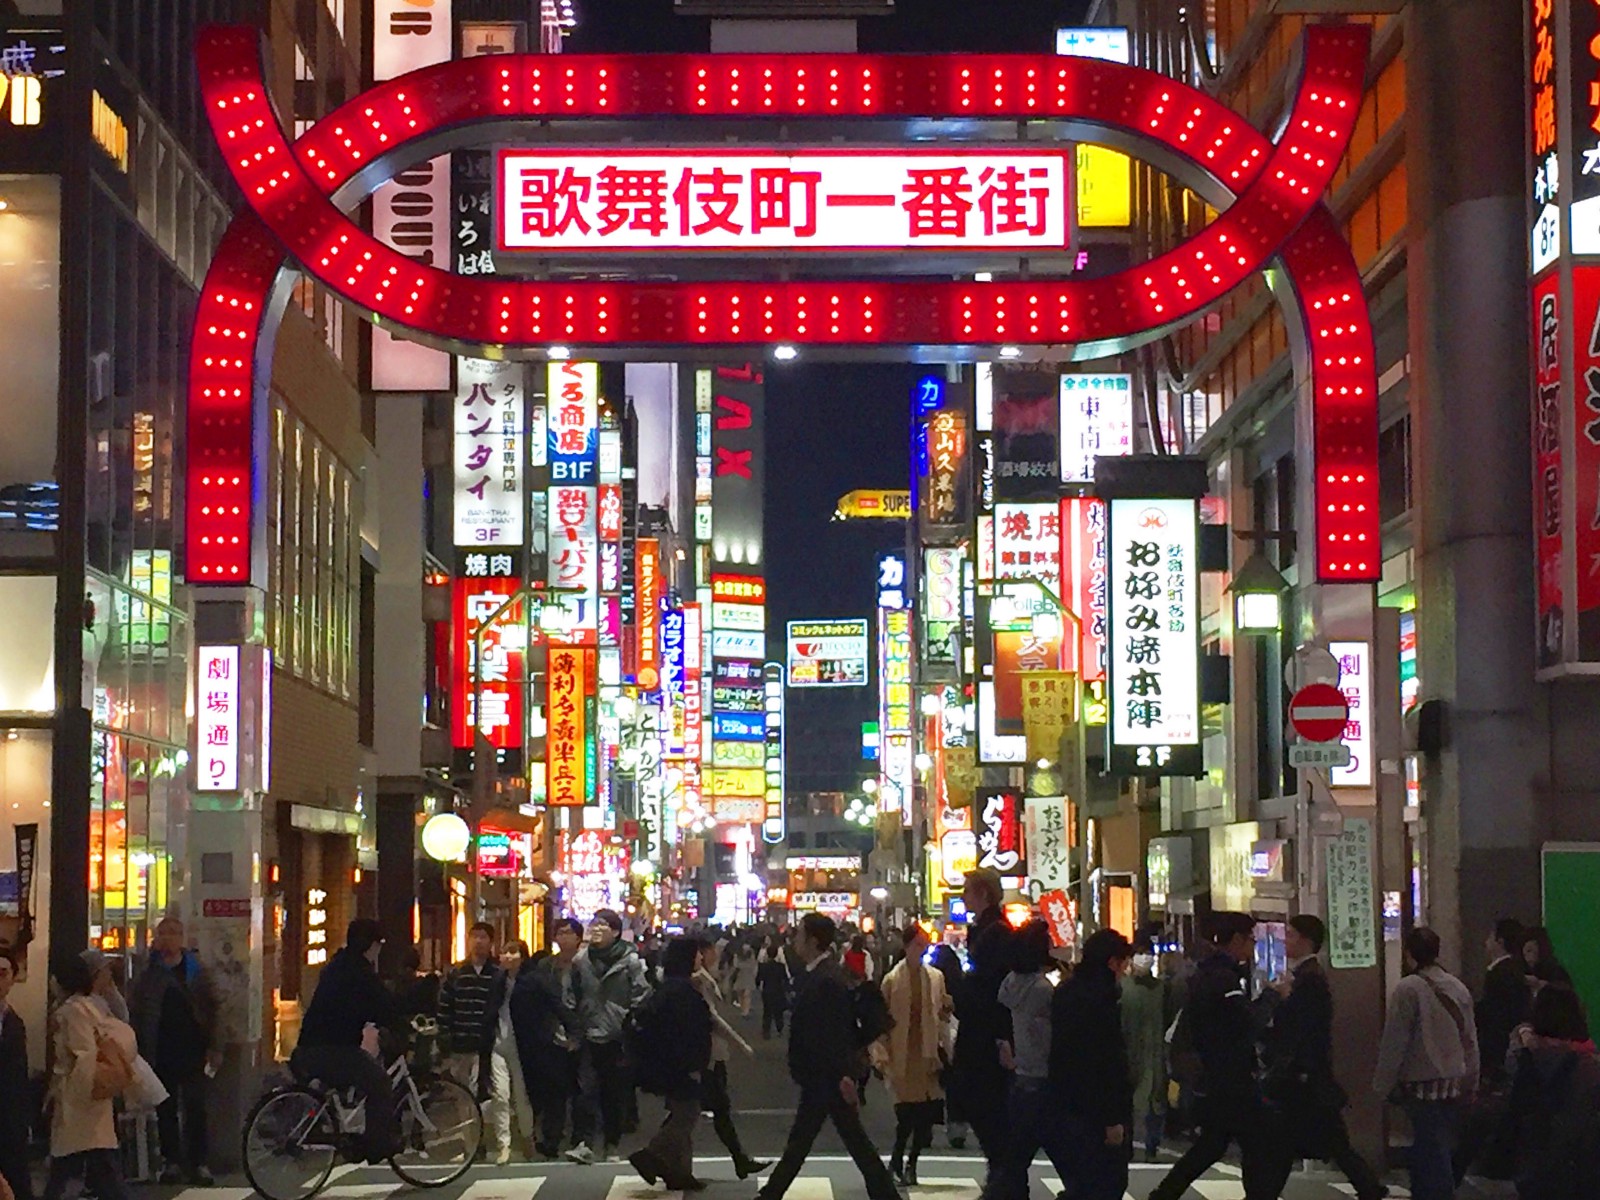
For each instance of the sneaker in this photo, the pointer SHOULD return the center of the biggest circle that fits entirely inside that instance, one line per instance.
(612, 1155)
(502, 1157)
(581, 1154)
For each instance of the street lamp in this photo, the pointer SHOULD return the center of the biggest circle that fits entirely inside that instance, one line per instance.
(1257, 596)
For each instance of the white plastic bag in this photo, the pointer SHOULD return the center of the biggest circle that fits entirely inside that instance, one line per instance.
(146, 1092)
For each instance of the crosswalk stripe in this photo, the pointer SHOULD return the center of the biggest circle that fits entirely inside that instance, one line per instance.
(948, 1188)
(363, 1191)
(1219, 1189)
(503, 1189)
(215, 1193)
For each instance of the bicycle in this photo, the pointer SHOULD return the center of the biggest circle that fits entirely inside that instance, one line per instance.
(295, 1135)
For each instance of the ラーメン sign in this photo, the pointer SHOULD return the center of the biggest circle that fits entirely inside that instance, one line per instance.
(1154, 639)
(732, 198)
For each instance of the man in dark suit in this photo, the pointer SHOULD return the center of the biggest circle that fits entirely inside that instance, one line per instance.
(825, 1059)
(15, 1133)
(981, 1083)
(1506, 998)
(1304, 1105)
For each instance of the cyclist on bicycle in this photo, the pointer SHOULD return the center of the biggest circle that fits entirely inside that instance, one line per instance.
(339, 1034)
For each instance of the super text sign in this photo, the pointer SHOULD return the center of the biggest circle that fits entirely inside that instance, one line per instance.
(732, 199)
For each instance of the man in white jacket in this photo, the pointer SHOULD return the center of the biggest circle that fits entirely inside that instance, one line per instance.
(1428, 1061)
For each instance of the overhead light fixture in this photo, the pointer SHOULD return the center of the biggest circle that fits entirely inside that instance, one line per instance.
(559, 353)
(1010, 351)
(4, 204)
(983, 277)
(1257, 596)
(785, 353)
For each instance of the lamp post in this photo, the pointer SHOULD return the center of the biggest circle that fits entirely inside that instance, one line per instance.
(1257, 587)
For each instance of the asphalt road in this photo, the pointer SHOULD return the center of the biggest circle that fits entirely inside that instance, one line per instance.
(764, 1106)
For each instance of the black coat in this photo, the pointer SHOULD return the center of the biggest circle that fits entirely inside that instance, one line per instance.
(982, 1019)
(772, 977)
(1088, 1055)
(1222, 1029)
(16, 1108)
(823, 1047)
(538, 1009)
(349, 995)
(1298, 1079)
(684, 1011)
(1505, 1005)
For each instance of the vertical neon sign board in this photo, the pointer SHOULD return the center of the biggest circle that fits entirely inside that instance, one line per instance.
(572, 500)
(217, 697)
(1155, 637)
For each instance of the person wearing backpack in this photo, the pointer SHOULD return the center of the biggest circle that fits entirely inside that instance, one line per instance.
(825, 1055)
(1554, 1107)
(94, 1057)
(909, 1054)
(1428, 1061)
(670, 1043)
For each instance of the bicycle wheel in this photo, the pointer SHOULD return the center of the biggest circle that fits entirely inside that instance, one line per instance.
(290, 1145)
(440, 1134)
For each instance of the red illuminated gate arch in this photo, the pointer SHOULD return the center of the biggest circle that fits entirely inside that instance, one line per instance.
(1269, 194)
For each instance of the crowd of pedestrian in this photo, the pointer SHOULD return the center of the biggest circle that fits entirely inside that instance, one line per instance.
(1085, 1061)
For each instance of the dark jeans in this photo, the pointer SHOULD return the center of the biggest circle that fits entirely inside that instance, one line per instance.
(1221, 1124)
(606, 1085)
(183, 1141)
(1281, 1142)
(1035, 1121)
(672, 1148)
(353, 1067)
(714, 1098)
(96, 1168)
(14, 1168)
(771, 1016)
(1433, 1130)
(816, 1107)
(551, 1074)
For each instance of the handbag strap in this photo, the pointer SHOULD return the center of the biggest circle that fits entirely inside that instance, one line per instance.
(1454, 1010)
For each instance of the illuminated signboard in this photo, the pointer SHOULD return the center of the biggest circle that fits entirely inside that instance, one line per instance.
(735, 781)
(827, 654)
(748, 617)
(1548, 441)
(739, 589)
(1096, 420)
(732, 643)
(500, 682)
(1083, 561)
(648, 563)
(217, 727)
(942, 608)
(572, 499)
(895, 711)
(944, 498)
(316, 927)
(999, 819)
(1543, 135)
(1108, 43)
(731, 198)
(867, 504)
(891, 581)
(738, 754)
(739, 727)
(1155, 637)
(673, 676)
(1027, 543)
(489, 500)
(1355, 681)
(774, 827)
(566, 756)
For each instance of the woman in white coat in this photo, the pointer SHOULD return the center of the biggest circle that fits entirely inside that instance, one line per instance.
(83, 1128)
(909, 1054)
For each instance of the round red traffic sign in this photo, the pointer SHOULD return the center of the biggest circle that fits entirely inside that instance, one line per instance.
(1319, 712)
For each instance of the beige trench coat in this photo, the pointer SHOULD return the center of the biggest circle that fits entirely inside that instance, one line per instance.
(913, 1071)
(78, 1121)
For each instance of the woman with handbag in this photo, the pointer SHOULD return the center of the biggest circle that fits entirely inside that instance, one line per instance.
(94, 1056)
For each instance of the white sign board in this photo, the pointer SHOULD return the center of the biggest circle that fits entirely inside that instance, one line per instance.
(217, 728)
(827, 654)
(1355, 681)
(1047, 836)
(1319, 755)
(1352, 932)
(1154, 636)
(1096, 420)
(411, 212)
(732, 199)
(489, 502)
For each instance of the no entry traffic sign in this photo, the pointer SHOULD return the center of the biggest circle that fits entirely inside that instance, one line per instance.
(1319, 712)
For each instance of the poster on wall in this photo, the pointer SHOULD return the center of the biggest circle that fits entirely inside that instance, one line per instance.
(1352, 928)
(1155, 636)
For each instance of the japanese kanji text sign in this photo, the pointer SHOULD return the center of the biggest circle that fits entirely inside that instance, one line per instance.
(737, 199)
(500, 682)
(1096, 419)
(1000, 831)
(1083, 562)
(566, 752)
(1048, 824)
(572, 500)
(217, 697)
(1352, 922)
(1027, 539)
(1355, 681)
(894, 711)
(1154, 637)
(488, 453)
(648, 629)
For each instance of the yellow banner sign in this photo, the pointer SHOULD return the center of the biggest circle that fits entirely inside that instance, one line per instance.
(735, 781)
(873, 504)
(1049, 709)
